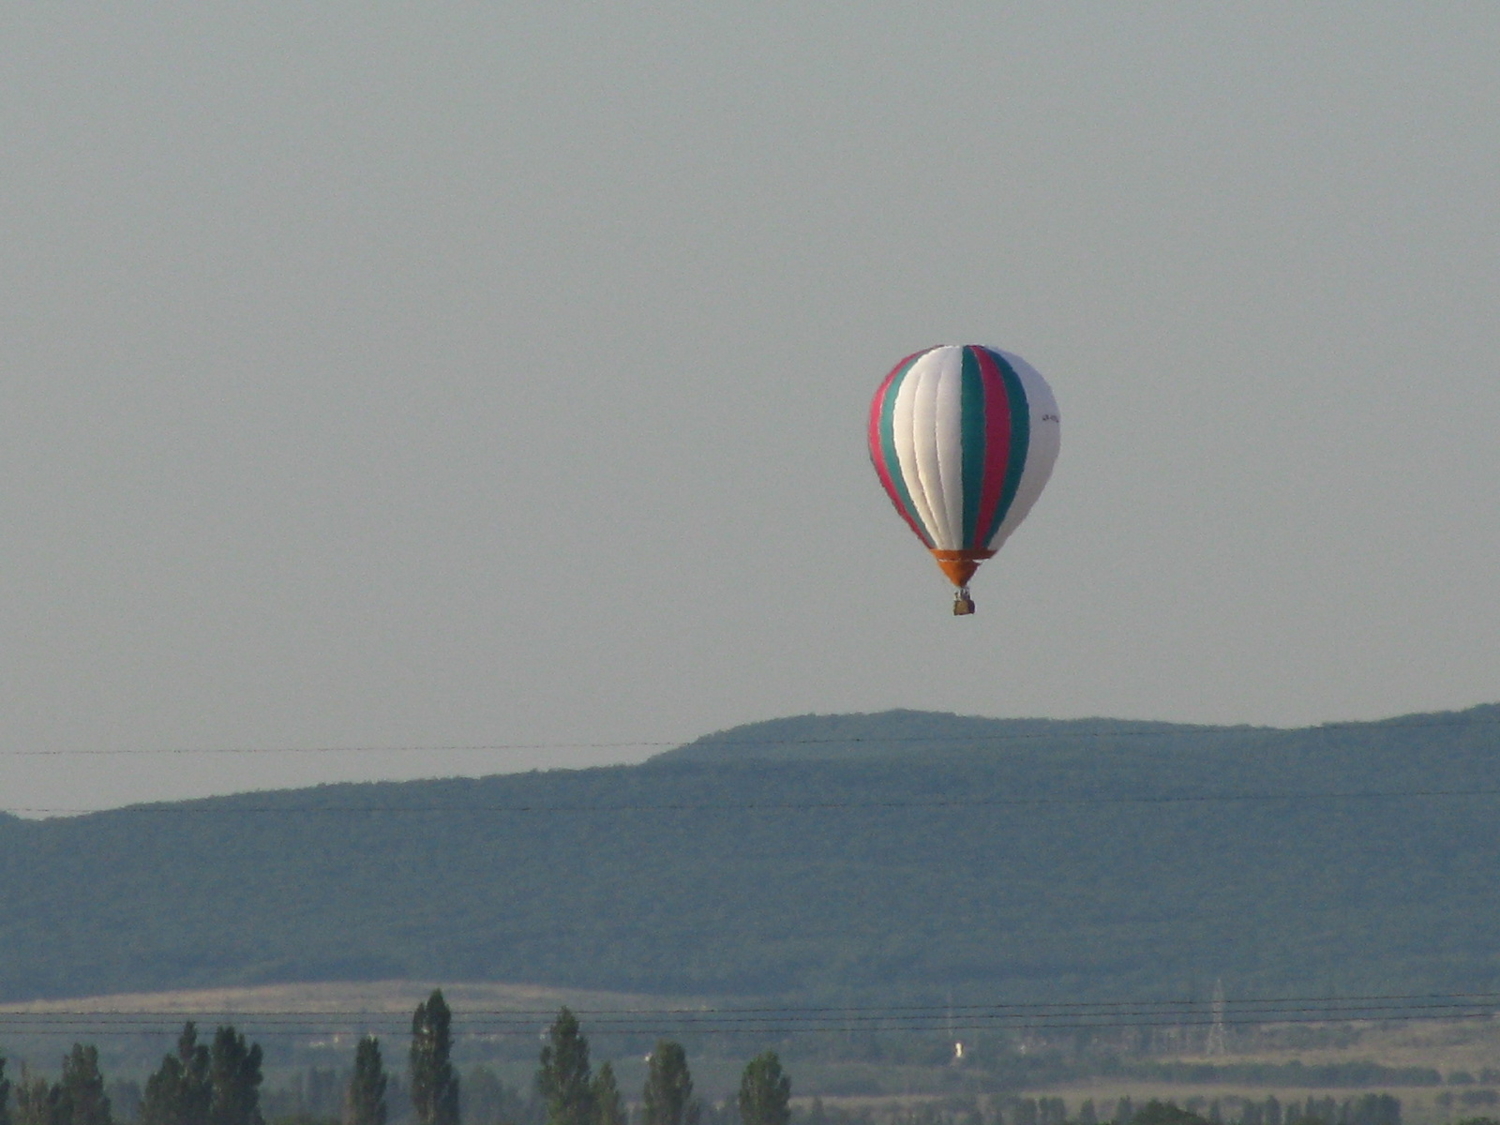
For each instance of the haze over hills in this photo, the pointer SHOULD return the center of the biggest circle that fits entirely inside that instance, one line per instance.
(902, 854)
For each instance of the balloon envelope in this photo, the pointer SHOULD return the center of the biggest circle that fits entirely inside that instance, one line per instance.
(963, 437)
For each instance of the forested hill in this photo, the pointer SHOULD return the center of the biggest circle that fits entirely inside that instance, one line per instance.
(896, 733)
(927, 733)
(894, 855)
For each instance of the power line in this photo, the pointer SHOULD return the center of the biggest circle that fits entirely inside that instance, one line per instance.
(937, 1023)
(1341, 1005)
(710, 1021)
(332, 749)
(1039, 1016)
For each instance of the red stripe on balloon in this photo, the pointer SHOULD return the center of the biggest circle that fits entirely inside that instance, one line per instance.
(996, 445)
(877, 453)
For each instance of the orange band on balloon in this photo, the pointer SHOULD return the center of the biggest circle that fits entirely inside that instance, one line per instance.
(960, 566)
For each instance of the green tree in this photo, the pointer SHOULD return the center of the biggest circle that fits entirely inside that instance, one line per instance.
(161, 1101)
(180, 1092)
(36, 1101)
(365, 1102)
(609, 1107)
(1166, 1113)
(434, 1083)
(4, 1094)
(81, 1098)
(234, 1078)
(668, 1096)
(765, 1092)
(563, 1077)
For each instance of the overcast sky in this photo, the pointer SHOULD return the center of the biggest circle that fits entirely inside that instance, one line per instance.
(429, 374)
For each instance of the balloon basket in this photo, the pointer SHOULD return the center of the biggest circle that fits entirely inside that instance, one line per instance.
(963, 605)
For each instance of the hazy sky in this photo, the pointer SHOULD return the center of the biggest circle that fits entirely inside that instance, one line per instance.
(427, 374)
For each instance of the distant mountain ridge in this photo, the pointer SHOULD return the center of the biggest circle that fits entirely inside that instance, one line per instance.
(898, 732)
(892, 733)
(903, 854)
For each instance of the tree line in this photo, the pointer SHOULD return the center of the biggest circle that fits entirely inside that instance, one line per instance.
(219, 1083)
(200, 1084)
(1368, 1109)
(574, 1095)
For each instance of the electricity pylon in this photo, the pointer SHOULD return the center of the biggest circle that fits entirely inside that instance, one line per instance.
(1216, 1044)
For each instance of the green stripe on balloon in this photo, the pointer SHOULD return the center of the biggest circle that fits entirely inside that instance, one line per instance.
(971, 420)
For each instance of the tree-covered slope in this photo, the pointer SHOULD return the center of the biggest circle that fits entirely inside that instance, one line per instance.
(890, 855)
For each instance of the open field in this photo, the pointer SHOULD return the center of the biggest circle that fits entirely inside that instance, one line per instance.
(1466, 1053)
(352, 998)
(1447, 1045)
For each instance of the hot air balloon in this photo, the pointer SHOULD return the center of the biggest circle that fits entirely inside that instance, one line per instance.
(963, 438)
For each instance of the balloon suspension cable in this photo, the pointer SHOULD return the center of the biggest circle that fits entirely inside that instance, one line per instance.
(963, 605)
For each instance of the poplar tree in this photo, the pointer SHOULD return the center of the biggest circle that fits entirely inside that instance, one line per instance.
(668, 1096)
(36, 1101)
(161, 1100)
(434, 1085)
(563, 1077)
(609, 1107)
(180, 1092)
(765, 1092)
(80, 1095)
(234, 1078)
(365, 1102)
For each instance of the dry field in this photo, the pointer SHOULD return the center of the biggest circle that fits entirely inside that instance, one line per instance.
(1469, 1047)
(396, 997)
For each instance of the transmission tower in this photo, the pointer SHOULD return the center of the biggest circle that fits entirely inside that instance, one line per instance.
(1216, 1044)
